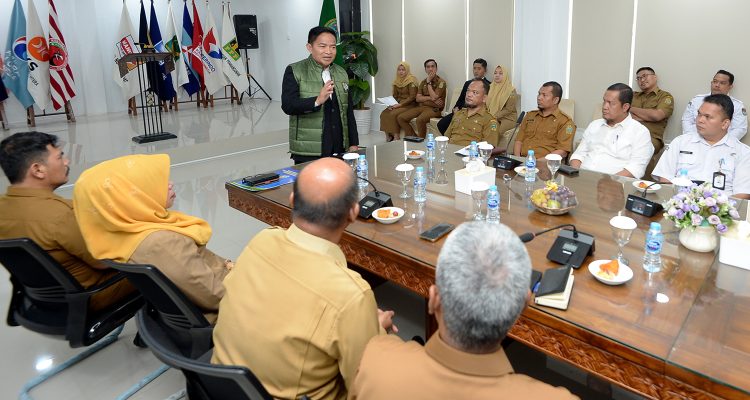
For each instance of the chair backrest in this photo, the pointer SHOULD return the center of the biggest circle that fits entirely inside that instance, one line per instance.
(40, 286)
(181, 317)
(206, 380)
(48, 299)
(568, 106)
(35, 269)
(455, 94)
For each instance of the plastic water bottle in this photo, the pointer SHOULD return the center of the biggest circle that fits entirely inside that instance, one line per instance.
(682, 183)
(654, 240)
(493, 205)
(473, 151)
(530, 167)
(430, 147)
(362, 172)
(420, 185)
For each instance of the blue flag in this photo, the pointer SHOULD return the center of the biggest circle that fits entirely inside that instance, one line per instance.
(186, 39)
(165, 89)
(143, 38)
(16, 70)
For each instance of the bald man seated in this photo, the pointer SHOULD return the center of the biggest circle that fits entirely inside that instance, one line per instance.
(293, 313)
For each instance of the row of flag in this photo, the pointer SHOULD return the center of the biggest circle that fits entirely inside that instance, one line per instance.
(35, 67)
(202, 59)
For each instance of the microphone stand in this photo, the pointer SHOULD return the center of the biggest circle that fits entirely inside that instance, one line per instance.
(503, 161)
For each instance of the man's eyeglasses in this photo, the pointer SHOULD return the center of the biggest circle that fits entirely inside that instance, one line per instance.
(642, 77)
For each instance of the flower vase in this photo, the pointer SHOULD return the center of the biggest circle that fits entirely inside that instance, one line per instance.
(701, 238)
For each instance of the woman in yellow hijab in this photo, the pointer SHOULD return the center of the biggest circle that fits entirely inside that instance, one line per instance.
(122, 207)
(501, 101)
(405, 92)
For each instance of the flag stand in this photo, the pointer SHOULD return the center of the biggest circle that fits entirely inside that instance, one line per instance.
(152, 122)
(3, 118)
(31, 115)
(250, 90)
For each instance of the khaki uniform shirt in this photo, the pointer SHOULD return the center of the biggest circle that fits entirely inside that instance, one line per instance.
(655, 100)
(195, 270)
(393, 369)
(295, 315)
(546, 134)
(481, 126)
(48, 220)
(438, 86)
(406, 96)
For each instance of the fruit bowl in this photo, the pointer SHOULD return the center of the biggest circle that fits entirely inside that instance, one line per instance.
(388, 215)
(554, 199)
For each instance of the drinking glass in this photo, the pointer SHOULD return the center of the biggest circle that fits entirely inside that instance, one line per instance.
(351, 159)
(622, 229)
(441, 178)
(442, 145)
(404, 172)
(485, 149)
(479, 194)
(553, 163)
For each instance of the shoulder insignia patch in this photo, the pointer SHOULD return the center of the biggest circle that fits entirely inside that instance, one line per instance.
(441, 85)
(690, 103)
(744, 111)
(493, 125)
(668, 100)
(569, 129)
(346, 87)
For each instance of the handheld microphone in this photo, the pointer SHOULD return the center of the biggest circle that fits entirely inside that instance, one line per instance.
(503, 161)
(372, 201)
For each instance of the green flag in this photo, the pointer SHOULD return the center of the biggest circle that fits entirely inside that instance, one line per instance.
(328, 19)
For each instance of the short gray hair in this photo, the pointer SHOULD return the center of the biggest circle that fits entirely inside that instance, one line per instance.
(483, 275)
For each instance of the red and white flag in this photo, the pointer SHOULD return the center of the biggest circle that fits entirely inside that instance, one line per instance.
(62, 85)
(38, 58)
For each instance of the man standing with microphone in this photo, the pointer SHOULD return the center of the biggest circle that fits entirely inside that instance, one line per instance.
(315, 95)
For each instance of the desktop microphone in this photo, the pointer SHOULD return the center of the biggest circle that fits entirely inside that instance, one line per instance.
(570, 248)
(529, 236)
(642, 205)
(503, 161)
(372, 201)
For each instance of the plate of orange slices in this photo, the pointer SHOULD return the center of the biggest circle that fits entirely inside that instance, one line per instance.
(610, 272)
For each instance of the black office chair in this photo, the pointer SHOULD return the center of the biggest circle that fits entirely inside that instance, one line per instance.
(208, 381)
(180, 318)
(47, 299)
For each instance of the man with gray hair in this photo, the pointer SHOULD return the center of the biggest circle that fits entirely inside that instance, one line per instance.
(482, 284)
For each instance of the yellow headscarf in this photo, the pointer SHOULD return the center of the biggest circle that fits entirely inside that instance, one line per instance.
(407, 79)
(121, 201)
(499, 92)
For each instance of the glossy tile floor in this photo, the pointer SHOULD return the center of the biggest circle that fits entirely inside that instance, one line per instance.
(213, 146)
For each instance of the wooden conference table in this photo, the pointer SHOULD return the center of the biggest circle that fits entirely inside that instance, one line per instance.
(682, 333)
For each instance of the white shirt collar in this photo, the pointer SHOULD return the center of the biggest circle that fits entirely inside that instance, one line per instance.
(695, 137)
(624, 123)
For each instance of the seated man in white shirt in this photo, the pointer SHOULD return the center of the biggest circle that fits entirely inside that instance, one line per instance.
(616, 144)
(711, 154)
(721, 84)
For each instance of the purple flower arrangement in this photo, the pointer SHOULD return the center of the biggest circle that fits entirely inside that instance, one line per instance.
(701, 205)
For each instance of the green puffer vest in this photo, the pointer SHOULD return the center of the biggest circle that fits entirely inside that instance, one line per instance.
(306, 130)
